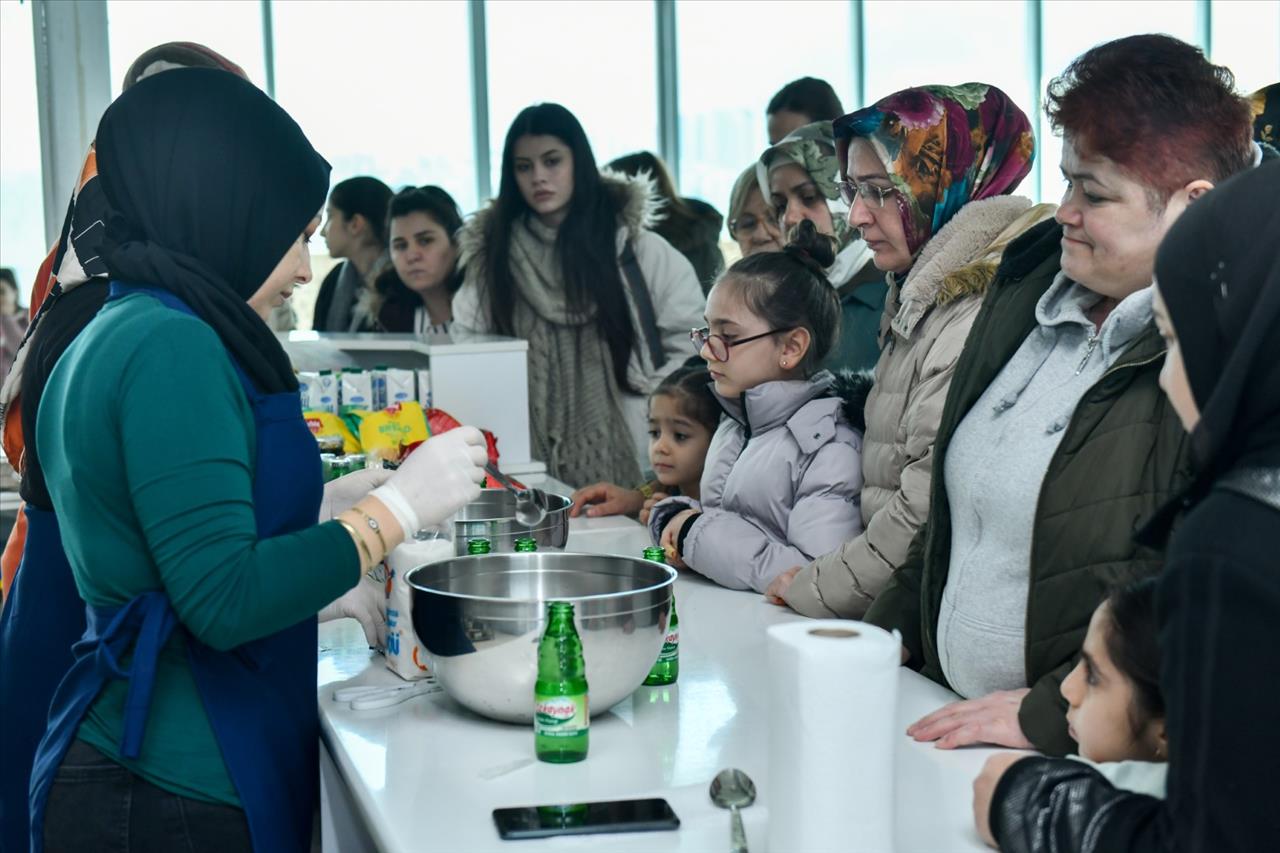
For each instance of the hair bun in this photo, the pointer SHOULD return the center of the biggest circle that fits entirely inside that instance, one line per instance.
(809, 247)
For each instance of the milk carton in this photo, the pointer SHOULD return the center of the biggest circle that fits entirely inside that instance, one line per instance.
(424, 388)
(399, 386)
(324, 393)
(405, 655)
(357, 390)
(308, 382)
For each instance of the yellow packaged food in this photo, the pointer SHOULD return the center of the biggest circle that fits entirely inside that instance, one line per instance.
(327, 423)
(384, 433)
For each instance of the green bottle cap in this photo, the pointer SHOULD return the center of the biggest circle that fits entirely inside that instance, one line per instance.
(658, 555)
(478, 546)
(526, 543)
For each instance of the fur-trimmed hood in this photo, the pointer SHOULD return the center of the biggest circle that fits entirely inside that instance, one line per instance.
(961, 259)
(638, 203)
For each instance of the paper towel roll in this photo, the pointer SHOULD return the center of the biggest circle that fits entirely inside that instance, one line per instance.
(405, 655)
(833, 688)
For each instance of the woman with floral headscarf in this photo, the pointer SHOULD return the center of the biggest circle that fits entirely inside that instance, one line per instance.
(798, 179)
(930, 171)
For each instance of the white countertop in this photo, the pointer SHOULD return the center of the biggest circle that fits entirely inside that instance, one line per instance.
(425, 775)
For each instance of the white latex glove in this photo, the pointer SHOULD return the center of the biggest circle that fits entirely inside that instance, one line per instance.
(366, 602)
(439, 478)
(343, 493)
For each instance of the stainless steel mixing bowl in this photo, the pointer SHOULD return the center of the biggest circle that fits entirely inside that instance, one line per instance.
(492, 516)
(480, 619)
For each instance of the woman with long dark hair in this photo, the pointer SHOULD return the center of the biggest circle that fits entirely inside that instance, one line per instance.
(564, 258)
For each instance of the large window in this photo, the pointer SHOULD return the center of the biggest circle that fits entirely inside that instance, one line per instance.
(732, 58)
(1244, 36)
(22, 243)
(385, 92)
(1070, 28)
(597, 59)
(233, 29)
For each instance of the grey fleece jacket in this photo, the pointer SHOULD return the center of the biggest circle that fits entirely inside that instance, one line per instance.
(1000, 452)
(781, 485)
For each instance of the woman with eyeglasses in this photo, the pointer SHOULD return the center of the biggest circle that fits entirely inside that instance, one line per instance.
(798, 178)
(563, 258)
(751, 221)
(937, 226)
(780, 482)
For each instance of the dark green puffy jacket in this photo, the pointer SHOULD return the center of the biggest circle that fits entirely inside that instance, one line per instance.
(1122, 456)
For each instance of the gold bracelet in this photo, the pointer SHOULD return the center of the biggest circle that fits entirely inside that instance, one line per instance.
(375, 527)
(355, 534)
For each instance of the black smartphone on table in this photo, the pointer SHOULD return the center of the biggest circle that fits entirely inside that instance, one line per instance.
(584, 818)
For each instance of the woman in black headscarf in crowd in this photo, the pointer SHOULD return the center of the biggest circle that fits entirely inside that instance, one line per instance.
(1218, 308)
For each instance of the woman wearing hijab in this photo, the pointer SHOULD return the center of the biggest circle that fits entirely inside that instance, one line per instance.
(43, 615)
(188, 488)
(751, 221)
(938, 231)
(798, 177)
(1218, 306)
(1055, 439)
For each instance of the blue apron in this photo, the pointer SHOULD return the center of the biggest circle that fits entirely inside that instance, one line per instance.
(43, 617)
(261, 697)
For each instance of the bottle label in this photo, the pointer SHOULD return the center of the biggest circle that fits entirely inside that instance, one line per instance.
(560, 716)
(670, 645)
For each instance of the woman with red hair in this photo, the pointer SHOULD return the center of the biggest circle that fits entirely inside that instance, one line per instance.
(1055, 440)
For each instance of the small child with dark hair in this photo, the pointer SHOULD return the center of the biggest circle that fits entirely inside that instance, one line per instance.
(683, 414)
(1116, 711)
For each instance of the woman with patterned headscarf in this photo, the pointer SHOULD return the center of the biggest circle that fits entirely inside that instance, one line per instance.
(798, 180)
(930, 171)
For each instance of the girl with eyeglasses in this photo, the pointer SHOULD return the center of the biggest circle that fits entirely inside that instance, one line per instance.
(938, 224)
(781, 480)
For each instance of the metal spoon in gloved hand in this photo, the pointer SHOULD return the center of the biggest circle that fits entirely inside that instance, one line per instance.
(732, 790)
(531, 504)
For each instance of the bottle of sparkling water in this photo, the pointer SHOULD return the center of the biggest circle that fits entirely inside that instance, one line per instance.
(525, 544)
(560, 713)
(478, 546)
(667, 668)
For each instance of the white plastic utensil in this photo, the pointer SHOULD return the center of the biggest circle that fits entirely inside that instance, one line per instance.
(371, 697)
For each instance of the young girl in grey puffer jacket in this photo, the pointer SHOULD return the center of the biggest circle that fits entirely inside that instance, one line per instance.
(783, 474)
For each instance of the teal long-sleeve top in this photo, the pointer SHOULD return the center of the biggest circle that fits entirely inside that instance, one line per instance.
(148, 446)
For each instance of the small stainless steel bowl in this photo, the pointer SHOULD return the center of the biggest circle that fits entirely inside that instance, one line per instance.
(480, 619)
(492, 516)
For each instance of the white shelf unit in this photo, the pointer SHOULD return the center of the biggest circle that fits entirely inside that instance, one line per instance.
(479, 379)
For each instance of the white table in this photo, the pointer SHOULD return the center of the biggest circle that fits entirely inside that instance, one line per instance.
(425, 775)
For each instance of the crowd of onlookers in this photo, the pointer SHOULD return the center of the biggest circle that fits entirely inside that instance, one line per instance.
(1041, 441)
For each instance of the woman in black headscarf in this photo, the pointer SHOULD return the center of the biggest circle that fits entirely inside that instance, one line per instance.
(1218, 307)
(188, 487)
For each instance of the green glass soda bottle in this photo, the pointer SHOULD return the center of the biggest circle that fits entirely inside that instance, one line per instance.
(560, 714)
(667, 668)
(478, 546)
(525, 544)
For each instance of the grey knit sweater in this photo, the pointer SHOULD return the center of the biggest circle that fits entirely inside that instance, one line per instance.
(994, 467)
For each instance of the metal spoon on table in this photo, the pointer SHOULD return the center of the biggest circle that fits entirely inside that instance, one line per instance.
(531, 504)
(732, 790)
